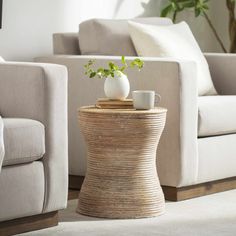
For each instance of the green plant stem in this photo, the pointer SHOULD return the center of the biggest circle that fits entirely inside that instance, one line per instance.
(231, 6)
(174, 16)
(232, 25)
(215, 32)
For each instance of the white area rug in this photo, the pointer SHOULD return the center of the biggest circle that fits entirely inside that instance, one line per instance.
(213, 215)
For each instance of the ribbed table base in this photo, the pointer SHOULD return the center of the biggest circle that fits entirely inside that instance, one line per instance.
(121, 179)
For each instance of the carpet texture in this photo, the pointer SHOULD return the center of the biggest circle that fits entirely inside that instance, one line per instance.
(213, 215)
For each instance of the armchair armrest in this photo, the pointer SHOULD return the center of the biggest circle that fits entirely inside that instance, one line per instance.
(223, 70)
(39, 91)
(174, 80)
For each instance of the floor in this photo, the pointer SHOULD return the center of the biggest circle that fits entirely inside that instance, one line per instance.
(213, 215)
(73, 194)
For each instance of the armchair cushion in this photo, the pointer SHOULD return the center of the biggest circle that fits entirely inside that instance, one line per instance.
(24, 141)
(216, 115)
(173, 41)
(110, 37)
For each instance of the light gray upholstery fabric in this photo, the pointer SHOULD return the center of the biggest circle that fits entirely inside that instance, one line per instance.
(24, 141)
(2, 151)
(21, 190)
(39, 92)
(216, 158)
(157, 41)
(222, 67)
(178, 151)
(66, 43)
(216, 115)
(111, 37)
(174, 80)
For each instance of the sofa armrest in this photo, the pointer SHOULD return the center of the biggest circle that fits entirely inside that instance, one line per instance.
(39, 91)
(66, 43)
(174, 80)
(223, 70)
(2, 151)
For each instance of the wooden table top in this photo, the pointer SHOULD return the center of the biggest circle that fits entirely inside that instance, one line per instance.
(94, 109)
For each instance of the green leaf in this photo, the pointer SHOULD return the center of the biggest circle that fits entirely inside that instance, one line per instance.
(205, 7)
(112, 69)
(122, 68)
(100, 70)
(166, 11)
(93, 74)
(174, 6)
(123, 61)
(197, 12)
(111, 65)
(91, 62)
(137, 62)
(115, 67)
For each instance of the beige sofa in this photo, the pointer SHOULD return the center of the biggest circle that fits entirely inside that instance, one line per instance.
(196, 155)
(33, 133)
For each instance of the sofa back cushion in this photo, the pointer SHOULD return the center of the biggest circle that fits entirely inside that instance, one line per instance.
(65, 44)
(111, 37)
(173, 41)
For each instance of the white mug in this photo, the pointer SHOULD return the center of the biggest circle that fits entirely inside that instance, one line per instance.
(145, 99)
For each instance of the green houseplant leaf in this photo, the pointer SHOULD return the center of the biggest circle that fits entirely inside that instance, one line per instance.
(200, 8)
(112, 68)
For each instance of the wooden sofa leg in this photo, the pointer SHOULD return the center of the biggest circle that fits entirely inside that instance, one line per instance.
(75, 182)
(29, 223)
(173, 193)
(183, 193)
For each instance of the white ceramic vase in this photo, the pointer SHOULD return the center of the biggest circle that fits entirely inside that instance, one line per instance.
(118, 87)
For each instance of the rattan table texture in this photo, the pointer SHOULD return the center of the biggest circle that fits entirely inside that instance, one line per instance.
(121, 179)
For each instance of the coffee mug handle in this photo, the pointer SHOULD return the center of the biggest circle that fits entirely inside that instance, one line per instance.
(157, 98)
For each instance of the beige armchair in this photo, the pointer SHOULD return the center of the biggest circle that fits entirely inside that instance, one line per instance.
(197, 151)
(33, 179)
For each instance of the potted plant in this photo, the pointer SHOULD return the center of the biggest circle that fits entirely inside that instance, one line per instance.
(116, 84)
(200, 8)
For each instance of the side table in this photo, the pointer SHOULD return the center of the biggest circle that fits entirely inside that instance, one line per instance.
(121, 179)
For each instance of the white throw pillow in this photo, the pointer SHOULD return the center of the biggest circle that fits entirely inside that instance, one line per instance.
(173, 41)
(1, 59)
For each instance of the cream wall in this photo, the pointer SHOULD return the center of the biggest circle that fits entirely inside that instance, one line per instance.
(29, 24)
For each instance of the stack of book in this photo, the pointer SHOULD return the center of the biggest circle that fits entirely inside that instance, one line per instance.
(104, 103)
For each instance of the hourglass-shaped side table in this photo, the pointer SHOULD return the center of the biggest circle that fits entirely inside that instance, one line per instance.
(121, 179)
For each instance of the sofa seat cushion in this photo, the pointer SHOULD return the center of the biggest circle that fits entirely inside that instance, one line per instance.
(24, 141)
(216, 115)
